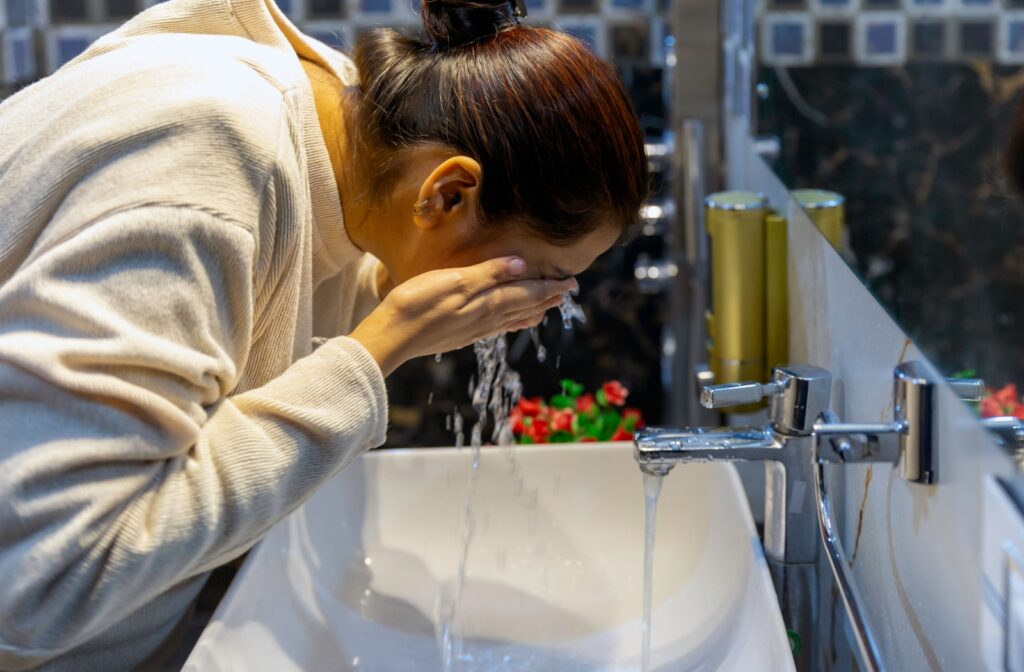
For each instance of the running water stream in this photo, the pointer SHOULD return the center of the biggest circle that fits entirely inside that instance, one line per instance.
(652, 489)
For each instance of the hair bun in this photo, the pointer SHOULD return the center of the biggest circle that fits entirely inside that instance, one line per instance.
(452, 23)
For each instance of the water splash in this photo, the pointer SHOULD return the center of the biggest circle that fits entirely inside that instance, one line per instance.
(437, 358)
(571, 310)
(496, 391)
(542, 352)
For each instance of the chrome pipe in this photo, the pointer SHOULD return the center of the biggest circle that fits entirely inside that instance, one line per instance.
(867, 648)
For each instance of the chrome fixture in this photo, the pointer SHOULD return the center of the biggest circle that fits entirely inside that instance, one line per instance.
(801, 437)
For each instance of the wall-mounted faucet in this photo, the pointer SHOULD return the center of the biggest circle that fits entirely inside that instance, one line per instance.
(801, 436)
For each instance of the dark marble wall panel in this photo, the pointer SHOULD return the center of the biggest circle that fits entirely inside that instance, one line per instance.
(933, 232)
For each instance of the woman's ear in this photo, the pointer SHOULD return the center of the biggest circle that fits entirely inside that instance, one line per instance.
(449, 192)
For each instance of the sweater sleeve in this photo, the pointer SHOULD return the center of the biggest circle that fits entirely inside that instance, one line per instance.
(125, 464)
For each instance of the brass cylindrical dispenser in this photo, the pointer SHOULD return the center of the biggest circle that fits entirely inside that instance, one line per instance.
(827, 210)
(736, 322)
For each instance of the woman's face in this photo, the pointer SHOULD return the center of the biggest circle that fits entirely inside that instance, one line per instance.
(448, 232)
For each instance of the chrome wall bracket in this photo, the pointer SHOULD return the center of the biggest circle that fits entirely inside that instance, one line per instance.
(907, 442)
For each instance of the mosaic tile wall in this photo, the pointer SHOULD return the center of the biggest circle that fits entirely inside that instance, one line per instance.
(38, 36)
(890, 32)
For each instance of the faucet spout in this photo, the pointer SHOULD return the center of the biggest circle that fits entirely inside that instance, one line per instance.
(658, 450)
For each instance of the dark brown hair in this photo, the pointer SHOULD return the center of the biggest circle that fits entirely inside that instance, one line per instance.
(549, 122)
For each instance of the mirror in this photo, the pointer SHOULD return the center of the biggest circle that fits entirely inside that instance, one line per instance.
(906, 111)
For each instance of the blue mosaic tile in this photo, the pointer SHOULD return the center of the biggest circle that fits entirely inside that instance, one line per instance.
(1015, 37)
(788, 39)
(69, 47)
(285, 6)
(881, 39)
(375, 6)
(24, 66)
(585, 34)
(533, 6)
(18, 13)
(634, 5)
(331, 38)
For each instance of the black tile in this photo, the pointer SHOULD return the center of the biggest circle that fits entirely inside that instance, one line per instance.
(121, 8)
(787, 4)
(630, 42)
(834, 40)
(579, 6)
(928, 39)
(69, 10)
(326, 8)
(881, 4)
(976, 38)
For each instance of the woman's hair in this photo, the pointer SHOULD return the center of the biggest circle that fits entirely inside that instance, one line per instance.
(550, 123)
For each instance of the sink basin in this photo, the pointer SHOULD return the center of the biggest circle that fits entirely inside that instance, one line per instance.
(350, 581)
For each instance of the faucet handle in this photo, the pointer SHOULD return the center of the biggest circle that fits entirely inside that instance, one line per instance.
(967, 389)
(738, 394)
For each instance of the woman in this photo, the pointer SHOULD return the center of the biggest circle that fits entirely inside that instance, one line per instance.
(191, 202)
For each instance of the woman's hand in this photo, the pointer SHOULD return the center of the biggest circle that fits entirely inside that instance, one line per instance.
(448, 309)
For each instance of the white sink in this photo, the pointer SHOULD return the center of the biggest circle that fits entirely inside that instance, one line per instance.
(554, 573)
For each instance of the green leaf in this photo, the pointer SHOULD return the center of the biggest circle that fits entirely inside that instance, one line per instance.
(609, 423)
(601, 398)
(571, 388)
(561, 401)
(561, 436)
(524, 439)
(630, 424)
(527, 421)
(967, 373)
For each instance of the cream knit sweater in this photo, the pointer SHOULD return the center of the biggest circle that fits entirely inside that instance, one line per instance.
(171, 239)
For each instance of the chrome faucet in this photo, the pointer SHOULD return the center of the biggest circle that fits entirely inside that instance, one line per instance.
(802, 436)
(797, 397)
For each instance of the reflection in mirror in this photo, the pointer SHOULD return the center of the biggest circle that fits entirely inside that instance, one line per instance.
(907, 116)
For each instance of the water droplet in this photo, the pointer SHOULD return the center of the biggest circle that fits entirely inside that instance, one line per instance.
(437, 358)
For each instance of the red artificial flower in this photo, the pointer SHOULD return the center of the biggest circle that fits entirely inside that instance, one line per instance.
(615, 393)
(990, 408)
(622, 435)
(588, 439)
(561, 421)
(1019, 412)
(585, 403)
(515, 420)
(530, 407)
(538, 431)
(1006, 397)
(634, 413)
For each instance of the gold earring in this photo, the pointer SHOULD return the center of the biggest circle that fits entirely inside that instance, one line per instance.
(420, 207)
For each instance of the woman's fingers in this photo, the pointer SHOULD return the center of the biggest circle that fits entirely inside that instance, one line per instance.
(473, 280)
(528, 314)
(498, 302)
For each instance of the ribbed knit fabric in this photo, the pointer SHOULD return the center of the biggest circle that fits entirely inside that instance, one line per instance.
(171, 240)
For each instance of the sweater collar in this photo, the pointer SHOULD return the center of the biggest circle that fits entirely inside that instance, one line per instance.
(267, 24)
